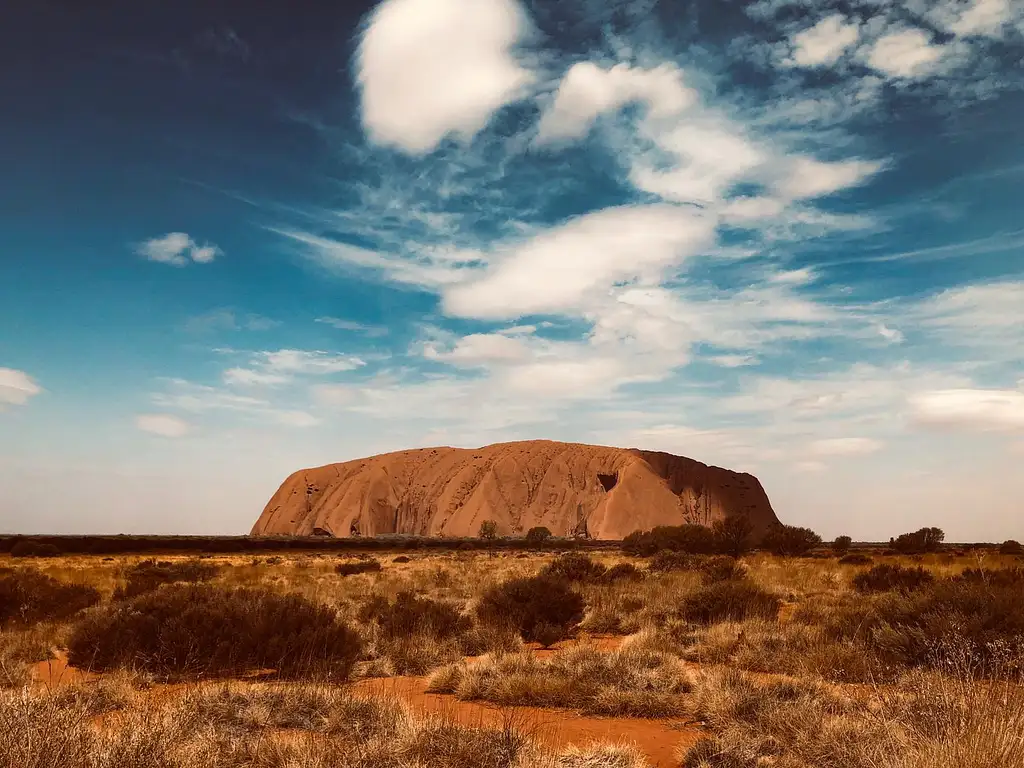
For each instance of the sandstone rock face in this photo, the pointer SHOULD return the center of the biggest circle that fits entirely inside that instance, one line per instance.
(572, 489)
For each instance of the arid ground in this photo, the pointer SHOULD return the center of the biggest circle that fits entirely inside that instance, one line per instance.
(419, 659)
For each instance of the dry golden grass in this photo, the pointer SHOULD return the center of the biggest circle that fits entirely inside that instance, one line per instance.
(810, 689)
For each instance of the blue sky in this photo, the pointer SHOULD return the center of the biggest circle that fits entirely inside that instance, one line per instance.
(783, 237)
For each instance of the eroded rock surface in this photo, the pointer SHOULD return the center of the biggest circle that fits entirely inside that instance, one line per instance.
(596, 491)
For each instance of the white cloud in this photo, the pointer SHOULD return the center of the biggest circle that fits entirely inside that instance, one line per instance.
(711, 153)
(481, 349)
(162, 425)
(247, 377)
(745, 209)
(350, 325)
(297, 361)
(430, 68)
(557, 270)
(588, 91)
(906, 53)
(846, 446)
(970, 409)
(177, 249)
(824, 43)
(16, 387)
(806, 177)
(980, 17)
(892, 335)
(733, 361)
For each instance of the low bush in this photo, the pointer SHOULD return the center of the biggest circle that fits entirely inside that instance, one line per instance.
(790, 540)
(733, 600)
(1003, 577)
(694, 539)
(27, 597)
(357, 566)
(29, 548)
(538, 534)
(409, 615)
(1011, 547)
(855, 558)
(541, 609)
(841, 545)
(666, 561)
(888, 577)
(401, 559)
(195, 630)
(149, 574)
(977, 621)
(621, 572)
(574, 567)
(720, 568)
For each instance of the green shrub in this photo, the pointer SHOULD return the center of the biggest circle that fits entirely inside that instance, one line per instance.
(409, 615)
(972, 621)
(729, 601)
(150, 574)
(27, 597)
(790, 540)
(887, 577)
(536, 607)
(357, 566)
(200, 630)
(574, 567)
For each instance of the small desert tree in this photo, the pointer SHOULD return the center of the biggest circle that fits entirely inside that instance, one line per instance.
(923, 540)
(790, 540)
(733, 535)
(488, 530)
(841, 545)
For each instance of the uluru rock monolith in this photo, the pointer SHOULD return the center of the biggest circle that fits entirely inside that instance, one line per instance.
(572, 489)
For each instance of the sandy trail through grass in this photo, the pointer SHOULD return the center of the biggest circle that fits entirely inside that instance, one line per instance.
(659, 740)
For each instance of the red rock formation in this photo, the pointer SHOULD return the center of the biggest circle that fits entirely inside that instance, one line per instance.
(604, 493)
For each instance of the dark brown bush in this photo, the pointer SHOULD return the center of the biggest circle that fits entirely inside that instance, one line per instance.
(574, 567)
(666, 561)
(29, 548)
(621, 572)
(535, 607)
(150, 574)
(733, 600)
(401, 559)
(790, 540)
(1011, 547)
(855, 558)
(200, 630)
(998, 576)
(357, 566)
(694, 539)
(888, 577)
(410, 614)
(27, 597)
(720, 568)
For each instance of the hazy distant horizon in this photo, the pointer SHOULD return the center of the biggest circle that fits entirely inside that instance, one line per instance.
(779, 236)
